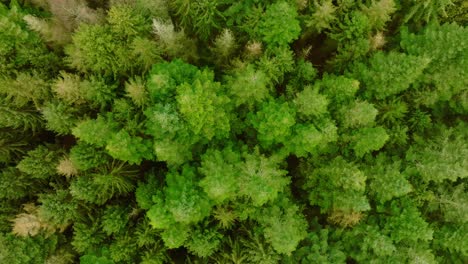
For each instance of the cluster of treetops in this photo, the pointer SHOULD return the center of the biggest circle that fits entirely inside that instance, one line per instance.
(228, 131)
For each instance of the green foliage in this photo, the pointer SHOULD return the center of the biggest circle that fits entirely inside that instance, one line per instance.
(450, 202)
(59, 117)
(387, 180)
(13, 183)
(279, 25)
(67, 88)
(379, 12)
(392, 112)
(456, 12)
(85, 156)
(97, 91)
(93, 259)
(258, 251)
(260, 178)
(358, 114)
(73, 90)
(159, 216)
(390, 74)
(204, 107)
(203, 16)
(198, 131)
(453, 238)
(310, 103)
(12, 144)
(276, 63)
(25, 250)
(127, 148)
(39, 163)
(226, 217)
(283, 225)
(86, 237)
(309, 139)
(24, 118)
(426, 10)
(248, 86)
(123, 249)
(444, 46)
(175, 43)
(165, 77)
(113, 48)
(116, 179)
(114, 219)
(175, 235)
(442, 158)
(20, 49)
(25, 88)
(58, 208)
(367, 140)
(127, 21)
(322, 15)
(273, 122)
(184, 200)
(183, 203)
(204, 241)
(94, 49)
(220, 169)
(338, 88)
(145, 191)
(304, 73)
(95, 131)
(224, 46)
(137, 91)
(320, 249)
(339, 185)
(406, 224)
(373, 245)
(352, 34)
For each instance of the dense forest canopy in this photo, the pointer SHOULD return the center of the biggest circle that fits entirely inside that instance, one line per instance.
(222, 131)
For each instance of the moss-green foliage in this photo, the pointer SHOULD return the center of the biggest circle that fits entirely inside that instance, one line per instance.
(114, 219)
(204, 107)
(59, 117)
(279, 26)
(14, 183)
(26, 250)
(339, 185)
(85, 156)
(284, 226)
(201, 17)
(320, 247)
(219, 168)
(311, 103)
(114, 179)
(390, 74)
(184, 200)
(58, 208)
(95, 131)
(273, 122)
(21, 49)
(388, 181)
(123, 146)
(24, 118)
(367, 140)
(204, 242)
(444, 78)
(248, 85)
(252, 131)
(39, 163)
(113, 48)
(442, 158)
